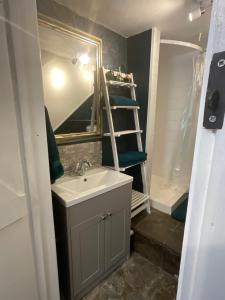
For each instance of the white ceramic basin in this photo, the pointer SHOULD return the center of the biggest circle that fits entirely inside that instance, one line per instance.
(75, 189)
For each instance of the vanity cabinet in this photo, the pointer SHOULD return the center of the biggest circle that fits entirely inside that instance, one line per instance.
(93, 238)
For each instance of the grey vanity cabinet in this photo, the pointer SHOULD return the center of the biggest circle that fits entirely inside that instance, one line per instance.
(98, 240)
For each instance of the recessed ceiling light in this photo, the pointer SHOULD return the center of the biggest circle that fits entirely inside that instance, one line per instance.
(195, 14)
(200, 10)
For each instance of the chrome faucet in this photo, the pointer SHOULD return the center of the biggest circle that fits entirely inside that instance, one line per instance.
(82, 166)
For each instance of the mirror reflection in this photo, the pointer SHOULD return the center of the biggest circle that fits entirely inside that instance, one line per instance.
(70, 65)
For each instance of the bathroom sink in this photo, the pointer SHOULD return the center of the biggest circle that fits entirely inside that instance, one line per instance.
(75, 189)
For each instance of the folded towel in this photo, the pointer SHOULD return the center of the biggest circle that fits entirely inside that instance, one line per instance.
(131, 158)
(55, 166)
(126, 158)
(122, 101)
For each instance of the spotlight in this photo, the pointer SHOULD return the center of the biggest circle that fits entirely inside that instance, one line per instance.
(74, 60)
(202, 5)
(195, 14)
(84, 59)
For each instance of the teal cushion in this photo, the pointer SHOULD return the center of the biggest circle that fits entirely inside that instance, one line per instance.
(122, 101)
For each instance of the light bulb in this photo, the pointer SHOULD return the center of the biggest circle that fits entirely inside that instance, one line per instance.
(57, 78)
(84, 59)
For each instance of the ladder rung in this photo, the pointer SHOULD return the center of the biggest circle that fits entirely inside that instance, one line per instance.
(123, 107)
(125, 132)
(125, 74)
(120, 83)
(122, 169)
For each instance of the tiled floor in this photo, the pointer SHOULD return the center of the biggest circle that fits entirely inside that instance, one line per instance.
(137, 279)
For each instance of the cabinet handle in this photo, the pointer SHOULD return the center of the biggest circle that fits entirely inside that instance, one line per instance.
(103, 217)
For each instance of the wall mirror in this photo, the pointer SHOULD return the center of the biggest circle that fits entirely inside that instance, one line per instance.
(71, 60)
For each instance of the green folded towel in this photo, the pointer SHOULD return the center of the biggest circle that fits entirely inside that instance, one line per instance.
(55, 166)
(127, 158)
(122, 101)
(131, 158)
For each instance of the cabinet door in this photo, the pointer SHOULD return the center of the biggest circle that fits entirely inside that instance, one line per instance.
(117, 235)
(88, 243)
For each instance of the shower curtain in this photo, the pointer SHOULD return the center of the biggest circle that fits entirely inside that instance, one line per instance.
(182, 158)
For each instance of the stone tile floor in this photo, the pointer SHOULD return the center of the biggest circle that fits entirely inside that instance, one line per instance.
(136, 279)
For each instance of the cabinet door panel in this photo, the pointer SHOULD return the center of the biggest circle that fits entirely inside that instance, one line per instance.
(117, 232)
(117, 226)
(117, 236)
(87, 252)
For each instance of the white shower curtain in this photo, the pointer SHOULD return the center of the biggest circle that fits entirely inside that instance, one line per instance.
(182, 158)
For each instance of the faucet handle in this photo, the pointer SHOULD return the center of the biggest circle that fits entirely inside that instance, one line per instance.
(89, 164)
(82, 166)
(78, 165)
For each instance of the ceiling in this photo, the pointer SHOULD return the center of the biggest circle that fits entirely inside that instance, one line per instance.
(129, 17)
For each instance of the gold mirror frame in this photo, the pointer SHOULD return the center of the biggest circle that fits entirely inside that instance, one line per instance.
(91, 39)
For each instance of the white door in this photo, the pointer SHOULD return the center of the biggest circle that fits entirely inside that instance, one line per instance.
(17, 266)
(28, 266)
(202, 273)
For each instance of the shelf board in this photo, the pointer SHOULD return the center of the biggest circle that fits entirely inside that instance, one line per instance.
(139, 209)
(122, 169)
(139, 203)
(123, 107)
(120, 83)
(138, 199)
(125, 132)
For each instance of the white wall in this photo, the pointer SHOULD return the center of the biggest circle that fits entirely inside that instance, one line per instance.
(174, 82)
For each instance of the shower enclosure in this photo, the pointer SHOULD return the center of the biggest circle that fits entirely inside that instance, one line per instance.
(180, 73)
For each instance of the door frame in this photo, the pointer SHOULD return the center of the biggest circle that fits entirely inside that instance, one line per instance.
(24, 53)
(201, 274)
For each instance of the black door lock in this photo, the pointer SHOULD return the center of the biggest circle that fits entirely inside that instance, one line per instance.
(215, 97)
(213, 100)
